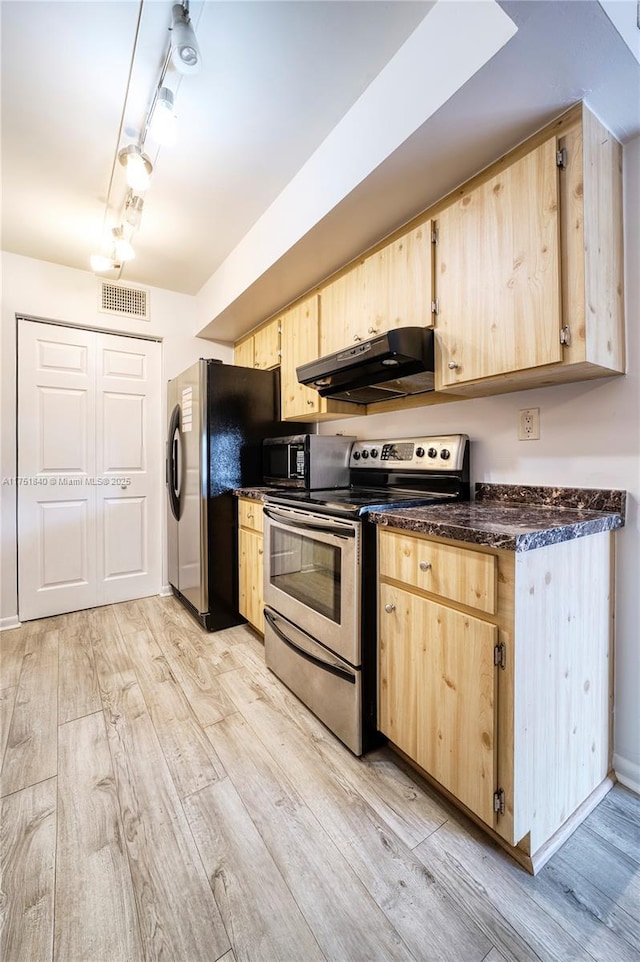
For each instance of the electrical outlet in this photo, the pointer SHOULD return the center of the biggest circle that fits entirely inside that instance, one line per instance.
(529, 424)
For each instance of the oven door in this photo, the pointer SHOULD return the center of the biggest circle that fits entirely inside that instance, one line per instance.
(312, 575)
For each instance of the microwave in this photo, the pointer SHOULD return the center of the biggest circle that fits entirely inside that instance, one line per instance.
(310, 461)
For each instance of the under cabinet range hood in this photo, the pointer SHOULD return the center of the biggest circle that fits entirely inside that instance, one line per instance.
(390, 365)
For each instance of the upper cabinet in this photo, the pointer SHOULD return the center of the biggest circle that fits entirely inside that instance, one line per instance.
(261, 350)
(498, 273)
(528, 268)
(300, 343)
(390, 288)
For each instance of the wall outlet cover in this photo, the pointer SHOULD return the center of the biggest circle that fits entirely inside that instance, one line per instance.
(529, 424)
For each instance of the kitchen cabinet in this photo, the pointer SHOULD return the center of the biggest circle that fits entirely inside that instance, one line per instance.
(261, 350)
(300, 343)
(250, 561)
(528, 267)
(387, 289)
(494, 678)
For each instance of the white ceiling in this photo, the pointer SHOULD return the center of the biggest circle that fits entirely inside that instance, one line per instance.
(276, 79)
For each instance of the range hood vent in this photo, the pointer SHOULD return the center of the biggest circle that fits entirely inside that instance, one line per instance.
(390, 365)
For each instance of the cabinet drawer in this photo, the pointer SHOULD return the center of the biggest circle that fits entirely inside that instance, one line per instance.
(468, 577)
(250, 514)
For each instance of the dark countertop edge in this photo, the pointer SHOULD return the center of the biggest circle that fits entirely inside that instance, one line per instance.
(527, 541)
(255, 494)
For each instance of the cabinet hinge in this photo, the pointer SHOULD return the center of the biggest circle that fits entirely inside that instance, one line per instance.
(561, 158)
(279, 328)
(565, 335)
(435, 306)
(499, 802)
(500, 656)
(434, 235)
(279, 353)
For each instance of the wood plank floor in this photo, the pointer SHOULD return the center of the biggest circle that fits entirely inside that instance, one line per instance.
(166, 798)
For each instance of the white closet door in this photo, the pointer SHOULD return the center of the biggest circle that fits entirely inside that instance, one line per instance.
(56, 461)
(128, 456)
(88, 416)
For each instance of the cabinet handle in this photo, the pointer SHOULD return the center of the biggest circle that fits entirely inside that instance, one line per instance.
(425, 566)
(357, 337)
(453, 365)
(260, 550)
(389, 608)
(309, 401)
(249, 517)
(372, 330)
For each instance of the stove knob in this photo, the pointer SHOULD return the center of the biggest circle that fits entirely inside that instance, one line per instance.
(432, 452)
(445, 454)
(374, 452)
(419, 452)
(356, 455)
(365, 454)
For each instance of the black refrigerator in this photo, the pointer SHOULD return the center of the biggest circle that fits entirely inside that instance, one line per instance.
(218, 415)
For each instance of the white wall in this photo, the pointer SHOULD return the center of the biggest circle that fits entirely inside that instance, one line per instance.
(50, 291)
(590, 437)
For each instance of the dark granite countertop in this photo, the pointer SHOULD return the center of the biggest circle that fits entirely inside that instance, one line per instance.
(256, 494)
(514, 517)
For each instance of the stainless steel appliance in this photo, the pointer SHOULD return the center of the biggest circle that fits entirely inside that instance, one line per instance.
(218, 416)
(307, 461)
(320, 574)
(389, 365)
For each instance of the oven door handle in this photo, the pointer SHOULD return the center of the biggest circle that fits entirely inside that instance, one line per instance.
(326, 666)
(307, 526)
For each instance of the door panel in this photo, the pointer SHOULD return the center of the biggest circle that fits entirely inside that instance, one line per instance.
(129, 464)
(89, 469)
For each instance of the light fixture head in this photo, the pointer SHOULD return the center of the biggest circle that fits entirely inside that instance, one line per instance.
(101, 263)
(123, 251)
(162, 127)
(133, 209)
(185, 51)
(138, 167)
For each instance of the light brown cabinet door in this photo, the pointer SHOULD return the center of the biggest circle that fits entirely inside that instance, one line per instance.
(243, 353)
(437, 693)
(266, 347)
(343, 311)
(398, 283)
(498, 274)
(250, 574)
(300, 341)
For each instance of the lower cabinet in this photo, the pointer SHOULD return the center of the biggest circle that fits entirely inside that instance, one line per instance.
(494, 678)
(250, 562)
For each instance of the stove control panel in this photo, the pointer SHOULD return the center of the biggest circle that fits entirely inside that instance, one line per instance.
(442, 453)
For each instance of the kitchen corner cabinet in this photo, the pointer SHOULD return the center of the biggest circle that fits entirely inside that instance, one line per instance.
(261, 350)
(387, 289)
(528, 266)
(250, 561)
(300, 343)
(494, 678)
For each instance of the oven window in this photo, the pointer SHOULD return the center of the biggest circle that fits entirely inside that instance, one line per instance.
(307, 570)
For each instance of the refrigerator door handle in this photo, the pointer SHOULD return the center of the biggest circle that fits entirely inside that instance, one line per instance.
(174, 479)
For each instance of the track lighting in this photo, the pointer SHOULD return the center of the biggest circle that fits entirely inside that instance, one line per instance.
(101, 263)
(162, 126)
(138, 167)
(185, 51)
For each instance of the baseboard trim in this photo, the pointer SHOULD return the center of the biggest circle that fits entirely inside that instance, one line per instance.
(166, 591)
(6, 624)
(627, 773)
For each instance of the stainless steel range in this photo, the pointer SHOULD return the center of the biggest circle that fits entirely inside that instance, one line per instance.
(320, 574)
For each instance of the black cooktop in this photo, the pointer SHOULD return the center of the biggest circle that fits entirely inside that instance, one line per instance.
(359, 501)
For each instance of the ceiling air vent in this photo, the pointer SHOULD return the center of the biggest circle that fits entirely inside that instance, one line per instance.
(130, 301)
